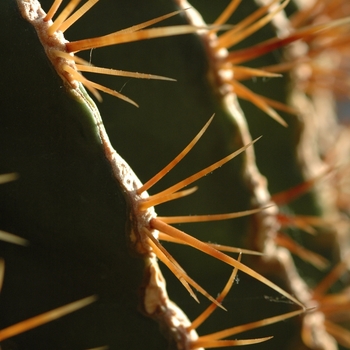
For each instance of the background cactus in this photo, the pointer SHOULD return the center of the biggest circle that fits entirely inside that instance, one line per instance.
(72, 212)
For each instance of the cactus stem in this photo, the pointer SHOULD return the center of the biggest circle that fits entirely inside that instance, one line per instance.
(334, 33)
(240, 32)
(228, 74)
(168, 232)
(60, 51)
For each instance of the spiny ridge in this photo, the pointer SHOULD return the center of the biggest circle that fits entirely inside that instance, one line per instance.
(201, 173)
(175, 161)
(199, 245)
(177, 270)
(134, 33)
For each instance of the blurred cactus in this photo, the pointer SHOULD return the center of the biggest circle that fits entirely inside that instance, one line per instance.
(76, 217)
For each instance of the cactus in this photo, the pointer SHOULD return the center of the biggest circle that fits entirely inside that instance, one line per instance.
(89, 221)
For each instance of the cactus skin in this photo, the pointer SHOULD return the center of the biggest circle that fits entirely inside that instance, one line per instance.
(60, 163)
(57, 268)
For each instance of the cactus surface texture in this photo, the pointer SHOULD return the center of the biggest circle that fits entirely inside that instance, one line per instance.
(96, 252)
